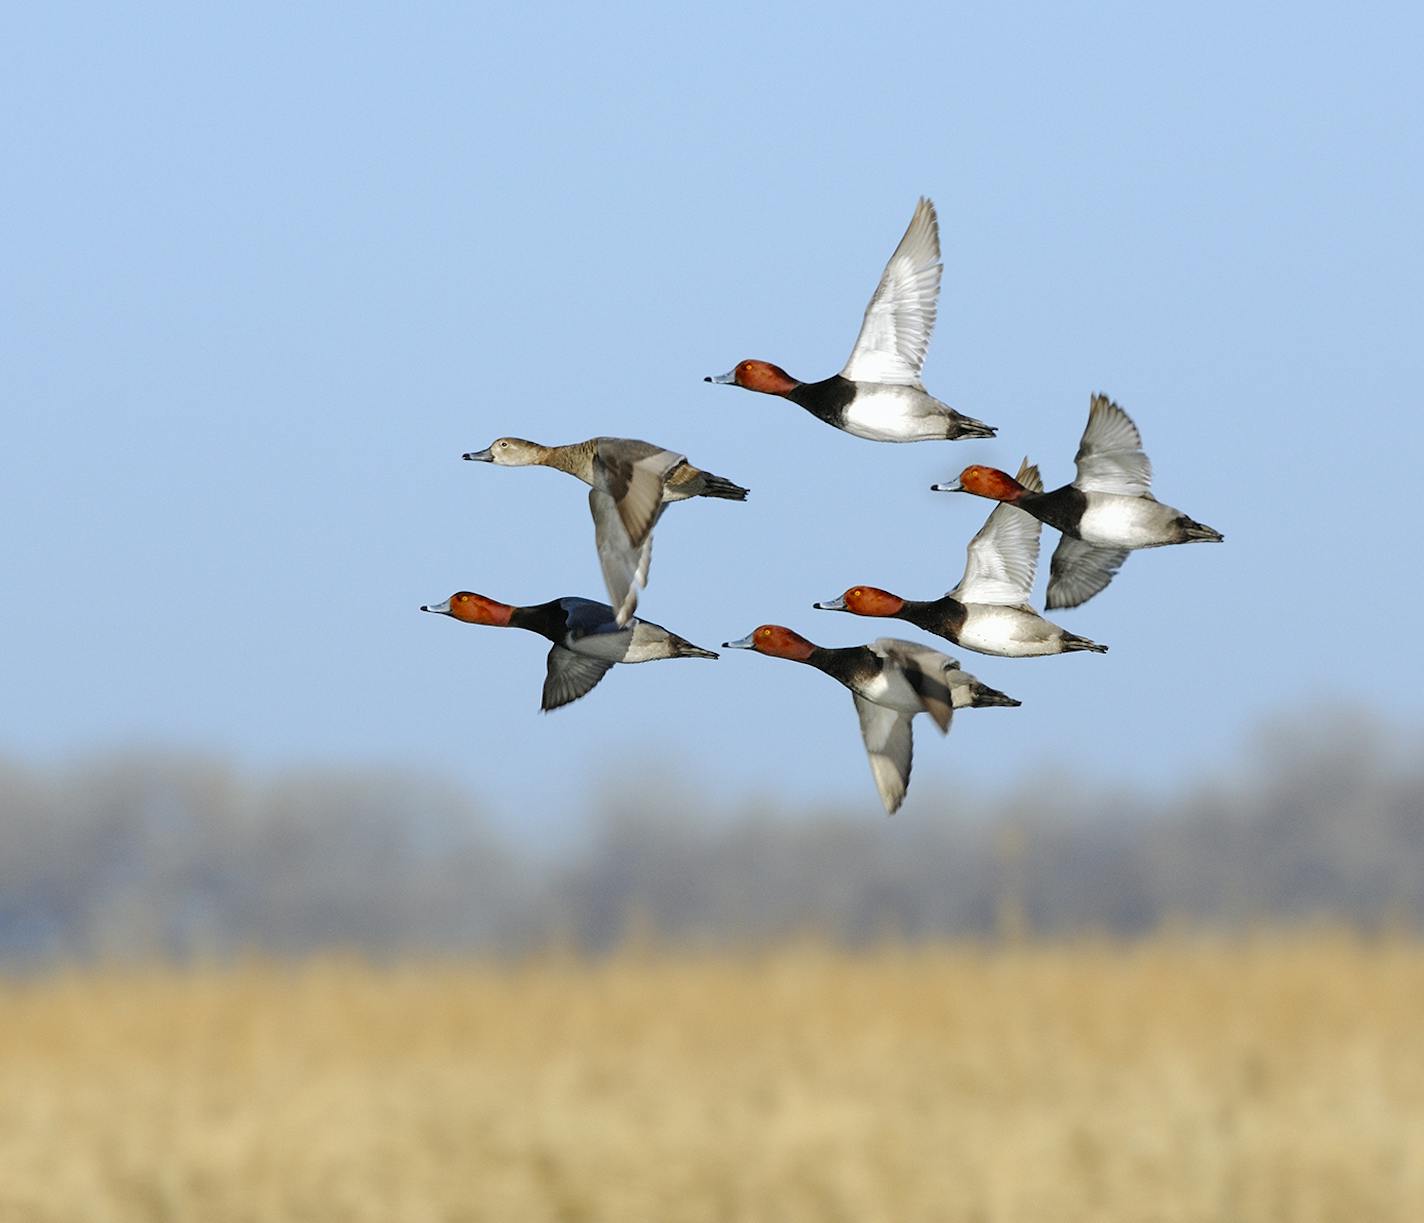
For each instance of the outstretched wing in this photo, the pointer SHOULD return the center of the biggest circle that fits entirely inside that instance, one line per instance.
(1110, 457)
(1079, 571)
(1003, 557)
(634, 481)
(889, 743)
(901, 315)
(570, 676)
(625, 564)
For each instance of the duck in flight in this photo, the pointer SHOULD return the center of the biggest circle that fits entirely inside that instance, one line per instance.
(878, 395)
(891, 681)
(587, 640)
(1106, 512)
(629, 484)
(988, 611)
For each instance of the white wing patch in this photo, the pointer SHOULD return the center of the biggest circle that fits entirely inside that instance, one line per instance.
(901, 315)
(1003, 557)
(625, 564)
(1080, 570)
(1110, 457)
(890, 745)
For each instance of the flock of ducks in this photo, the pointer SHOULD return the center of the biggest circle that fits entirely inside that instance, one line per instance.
(1105, 512)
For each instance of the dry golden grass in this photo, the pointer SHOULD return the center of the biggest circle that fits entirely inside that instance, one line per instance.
(1277, 1079)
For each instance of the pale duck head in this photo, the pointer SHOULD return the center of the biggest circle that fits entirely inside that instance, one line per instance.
(510, 452)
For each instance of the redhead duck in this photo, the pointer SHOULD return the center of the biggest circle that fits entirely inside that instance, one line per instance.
(988, 611)
(1105, 513)
(630, 482)
(891, 681)
(878, 395)
(587, 640)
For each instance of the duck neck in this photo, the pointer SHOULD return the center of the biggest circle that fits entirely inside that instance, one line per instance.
(546, 619)
(841, 663)
(827, 399)
(1060, 509)
(944, 616)
(575, 458)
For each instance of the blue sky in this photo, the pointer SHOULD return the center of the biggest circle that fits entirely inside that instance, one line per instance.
(269, 272)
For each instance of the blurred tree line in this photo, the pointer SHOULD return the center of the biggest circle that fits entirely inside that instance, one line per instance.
(143, 854)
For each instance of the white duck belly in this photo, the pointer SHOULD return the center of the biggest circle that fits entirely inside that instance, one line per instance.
(1114, 521)
(882, 413)
(1009, 632)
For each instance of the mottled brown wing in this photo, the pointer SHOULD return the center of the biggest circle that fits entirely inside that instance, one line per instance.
(635, 482)
(624, 563)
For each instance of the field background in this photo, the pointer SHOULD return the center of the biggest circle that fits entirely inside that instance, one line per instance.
(1177, 1079)
(309, 995)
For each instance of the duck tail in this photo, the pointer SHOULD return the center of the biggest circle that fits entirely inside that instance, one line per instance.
(985, 695)
(967, 426)
(1193, 532)
(1071, 642)
(717, 486)
(682, 648)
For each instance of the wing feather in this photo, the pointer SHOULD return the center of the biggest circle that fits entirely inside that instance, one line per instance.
(890, 745)
(584, 617)
(1003, 557)
(635, 482)
(925, 669)
(570, 676)
(1110, 458)
(625, 564)
(900, 318)
(1079, 571)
